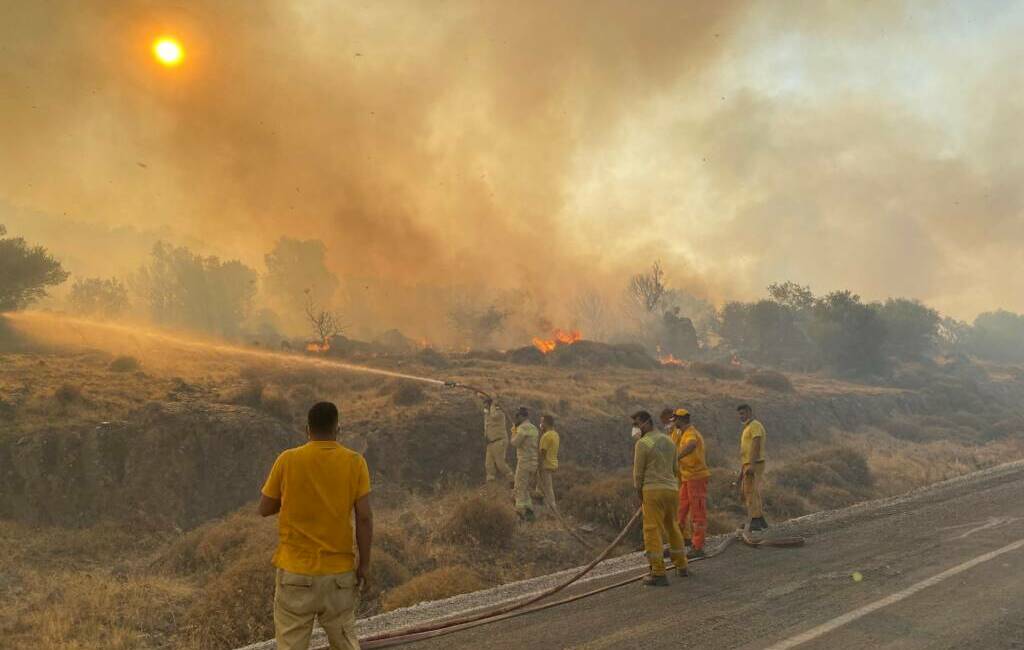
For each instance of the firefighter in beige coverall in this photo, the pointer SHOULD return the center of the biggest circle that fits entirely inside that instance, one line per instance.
(496, 435)
(524, 439)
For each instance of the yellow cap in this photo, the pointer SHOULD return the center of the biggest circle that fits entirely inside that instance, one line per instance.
(680, 413)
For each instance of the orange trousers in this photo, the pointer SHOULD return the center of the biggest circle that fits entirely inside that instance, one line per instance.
(693, 502)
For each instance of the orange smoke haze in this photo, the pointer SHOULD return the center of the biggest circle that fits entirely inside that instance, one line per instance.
(476, 150)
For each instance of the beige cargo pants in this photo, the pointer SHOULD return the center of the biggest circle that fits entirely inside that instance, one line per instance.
(545, 487)
(751, 489)
(494, 460)
(299, 600)
(521, 488)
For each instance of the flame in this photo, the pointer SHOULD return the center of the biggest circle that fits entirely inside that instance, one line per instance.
(558, 337)
(318, 348)
(423, 343)
(668, 359)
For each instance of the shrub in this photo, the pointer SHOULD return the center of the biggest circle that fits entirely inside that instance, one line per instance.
(837, 468)
(124, 364)
(407, 394)
(784, 504)
(232, 609)
(719, 523)
(433, 358)
(68, 393)
(433, 585)
(771, 380)
(904, 429)
(716, 370)
(386, 573)
(483, 522)
(276, 404)
(610, 501)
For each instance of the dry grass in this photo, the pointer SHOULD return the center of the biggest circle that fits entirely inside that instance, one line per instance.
(440, 583)
(771, 380)
(481, 521)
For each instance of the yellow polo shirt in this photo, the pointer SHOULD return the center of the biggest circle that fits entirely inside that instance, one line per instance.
(549, 442)
(754, 429)
(318, 485)
(694, 464)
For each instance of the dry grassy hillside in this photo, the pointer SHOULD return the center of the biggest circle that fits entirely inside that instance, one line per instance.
(130, 459)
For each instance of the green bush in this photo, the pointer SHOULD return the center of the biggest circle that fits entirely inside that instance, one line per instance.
(433, 585)
(483, 522)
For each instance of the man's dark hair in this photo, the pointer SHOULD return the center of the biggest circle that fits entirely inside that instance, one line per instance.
(642, 416)
(323, 418)
(523, 411)
(666, 413)
(548, 419)
(744, 407)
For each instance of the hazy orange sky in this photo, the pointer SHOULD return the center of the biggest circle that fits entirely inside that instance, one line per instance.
(541, 145)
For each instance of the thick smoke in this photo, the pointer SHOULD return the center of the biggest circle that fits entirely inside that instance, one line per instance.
(451, 150)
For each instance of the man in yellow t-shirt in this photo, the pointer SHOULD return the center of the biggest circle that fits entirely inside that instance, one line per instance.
(693, 478)
(548, 462)
(314, 489)
(752, 443)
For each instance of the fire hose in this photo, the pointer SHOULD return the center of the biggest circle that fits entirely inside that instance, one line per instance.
(533, 604)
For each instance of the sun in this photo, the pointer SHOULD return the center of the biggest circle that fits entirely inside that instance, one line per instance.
(168, 51)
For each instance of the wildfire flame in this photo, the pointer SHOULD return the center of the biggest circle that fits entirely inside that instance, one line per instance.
(668, 359)
(318, 348)
(558, 337)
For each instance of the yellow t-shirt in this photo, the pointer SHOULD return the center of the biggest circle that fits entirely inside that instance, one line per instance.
(694, 464)
(318, 485)
(549, 442)
(754, 429)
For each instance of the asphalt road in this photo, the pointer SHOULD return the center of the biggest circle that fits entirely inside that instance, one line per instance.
(940, 569)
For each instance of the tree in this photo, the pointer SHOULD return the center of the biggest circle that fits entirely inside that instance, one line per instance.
(912, 329)
(648, 289)
(183, 289)
(849, 334)
(25, 272)
(790, 294)
(296, 271)
(998, 336)
(104, 297)
(477, 326)
(325, 323)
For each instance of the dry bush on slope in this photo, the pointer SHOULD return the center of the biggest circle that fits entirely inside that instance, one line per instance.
(482, 521)
(771, 380)
(716, 370)
(235, 607)
(73, 610)
(434, 585)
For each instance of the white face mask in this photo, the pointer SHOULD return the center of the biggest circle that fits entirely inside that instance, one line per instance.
(636, 432)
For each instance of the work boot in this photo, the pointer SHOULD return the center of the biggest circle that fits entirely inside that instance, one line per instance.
(683, 573)
(656, 581)
(695, 554)
(763, 523)
(756, 525)
(688, 543)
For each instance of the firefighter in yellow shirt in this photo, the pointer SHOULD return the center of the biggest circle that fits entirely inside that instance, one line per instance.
(655, 477)
(751, 479)
(673, 432)
(693, 477)
(548, 463)
(314, 490)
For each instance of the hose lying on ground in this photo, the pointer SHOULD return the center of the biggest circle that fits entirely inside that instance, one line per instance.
(532, 604)
(412, 633)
